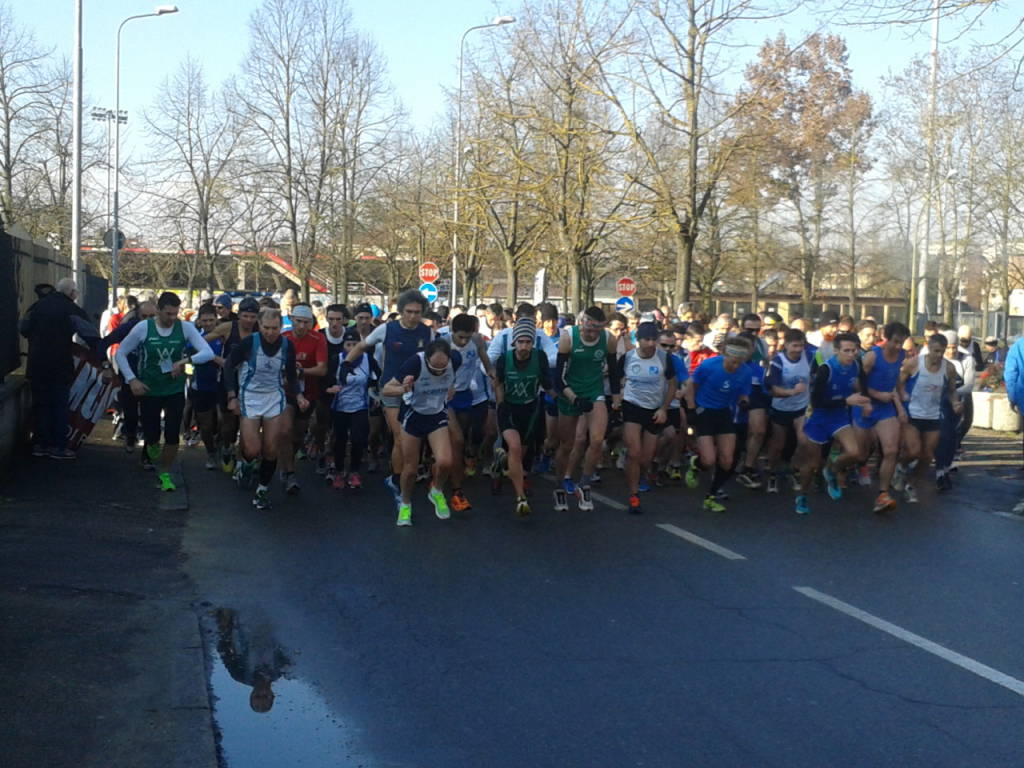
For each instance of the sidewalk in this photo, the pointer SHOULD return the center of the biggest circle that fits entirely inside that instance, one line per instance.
(102, 649)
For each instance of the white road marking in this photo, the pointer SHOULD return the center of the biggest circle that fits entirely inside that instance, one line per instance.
(607, 501)
(964, 662)
(693, 538)
(1011, 515)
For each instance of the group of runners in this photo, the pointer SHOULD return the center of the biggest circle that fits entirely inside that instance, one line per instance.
(535, 391)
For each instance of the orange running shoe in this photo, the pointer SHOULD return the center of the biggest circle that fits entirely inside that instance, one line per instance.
(884, 502)
(459, 502)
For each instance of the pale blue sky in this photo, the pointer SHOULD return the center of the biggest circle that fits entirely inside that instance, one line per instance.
(419, 41)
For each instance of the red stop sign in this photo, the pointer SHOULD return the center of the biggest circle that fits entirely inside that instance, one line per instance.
(626, 286)
(429, 272)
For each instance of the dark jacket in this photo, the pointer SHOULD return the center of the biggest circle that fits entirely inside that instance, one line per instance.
(50, 326)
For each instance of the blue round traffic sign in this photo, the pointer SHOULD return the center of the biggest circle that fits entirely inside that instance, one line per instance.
(429, 291)
(624, 304)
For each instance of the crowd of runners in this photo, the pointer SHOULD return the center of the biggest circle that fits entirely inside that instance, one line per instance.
(440, 397)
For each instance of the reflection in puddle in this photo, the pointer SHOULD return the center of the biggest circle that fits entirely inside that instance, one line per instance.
(266, 719)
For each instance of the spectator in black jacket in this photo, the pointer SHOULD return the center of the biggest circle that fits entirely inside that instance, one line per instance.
(50, 327)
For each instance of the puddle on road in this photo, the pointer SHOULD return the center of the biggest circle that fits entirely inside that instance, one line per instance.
(266, 718)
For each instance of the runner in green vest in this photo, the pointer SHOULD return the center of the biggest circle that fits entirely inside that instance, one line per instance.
(520, 374)
(160, 380)
(584, 351)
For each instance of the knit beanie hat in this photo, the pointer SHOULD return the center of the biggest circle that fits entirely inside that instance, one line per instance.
(525, 327)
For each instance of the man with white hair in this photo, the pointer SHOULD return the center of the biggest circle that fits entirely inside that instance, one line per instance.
(50, 327)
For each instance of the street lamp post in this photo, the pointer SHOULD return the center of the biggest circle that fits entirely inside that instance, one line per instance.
(100, 114)
(457, 160)
(115, 246)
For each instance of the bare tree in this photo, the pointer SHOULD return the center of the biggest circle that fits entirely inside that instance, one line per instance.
(194, 142)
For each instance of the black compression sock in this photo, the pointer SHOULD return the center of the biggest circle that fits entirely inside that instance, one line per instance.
(267, 468)
(720, 478)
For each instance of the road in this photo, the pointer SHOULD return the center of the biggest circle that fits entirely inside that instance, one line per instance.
(676, 637)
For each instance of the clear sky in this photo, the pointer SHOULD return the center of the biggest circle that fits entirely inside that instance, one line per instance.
(418, 39)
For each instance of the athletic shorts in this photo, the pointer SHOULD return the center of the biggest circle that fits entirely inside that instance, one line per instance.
(822, 426)
(925, 425)
(202, 401)
(462, 401)
(675, 418)
(785, 418)
(759, 399)
(171, 407)
(422, 424)
(524, 418)
(550, 407)
(879, 412)
(568, 409)
(262, 405)
(634, 414)
(709, 422)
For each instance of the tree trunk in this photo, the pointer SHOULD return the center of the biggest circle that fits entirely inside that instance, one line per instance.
(511, 278)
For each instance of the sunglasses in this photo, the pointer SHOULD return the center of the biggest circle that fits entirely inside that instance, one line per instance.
(667, 346)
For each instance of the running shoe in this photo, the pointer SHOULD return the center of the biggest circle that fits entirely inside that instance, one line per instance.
(40, 452)
(440, 505)
(543, 464)
(227, 463)
(355, 482)
(211, 461)
(392, 486)
(620, 462)
(899, 477)
(166, 483)
(499, 464)
(884, 502)
(944, 482)
(459, 501)
(748, 479)
(655, 479)
(583, 497)
(321, 465)
(834, 491)
(63, 454)
(643, 486)
(404, 514)
(291, 485)
(798, 487)
(864, 476)
(675, 473)
(711, 504)
(594, 479)
(561, 501)
(802, 507)
(634, 505)
(721, 494)
(129, 445)
(568, 486)
(522, 507)
(422, 473)
(691, 473)
(146, 462)
(470, 467)
(153, 452)
(337, 480)
(261, 500)
(773, 484)
(241, 474)
(910, 494)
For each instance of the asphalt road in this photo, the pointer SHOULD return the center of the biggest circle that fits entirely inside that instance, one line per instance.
(602, 639)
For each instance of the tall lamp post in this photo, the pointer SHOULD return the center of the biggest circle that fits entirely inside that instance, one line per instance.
(457, 160)
(115, 245)
(103, 115)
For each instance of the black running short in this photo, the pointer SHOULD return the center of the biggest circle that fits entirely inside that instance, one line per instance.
(925, 425)
(709, 422)
(525, 418)
(785, 418)
(634, 414)
(202, 401)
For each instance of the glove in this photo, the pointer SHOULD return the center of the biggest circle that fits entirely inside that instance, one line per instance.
(583, 404)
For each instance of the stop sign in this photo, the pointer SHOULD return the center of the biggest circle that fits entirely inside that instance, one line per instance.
(429, 272)
(626, 286)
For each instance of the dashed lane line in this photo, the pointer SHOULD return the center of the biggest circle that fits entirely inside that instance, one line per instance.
(693, 538)
(964, 662)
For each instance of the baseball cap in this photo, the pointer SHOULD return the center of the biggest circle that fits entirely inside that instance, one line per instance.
(224, 300)
(991, 340)
(829, 317)
(248, 304)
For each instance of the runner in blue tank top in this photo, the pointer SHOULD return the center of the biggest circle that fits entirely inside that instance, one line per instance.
(882, 371)
(401, 339)
(834, 388)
